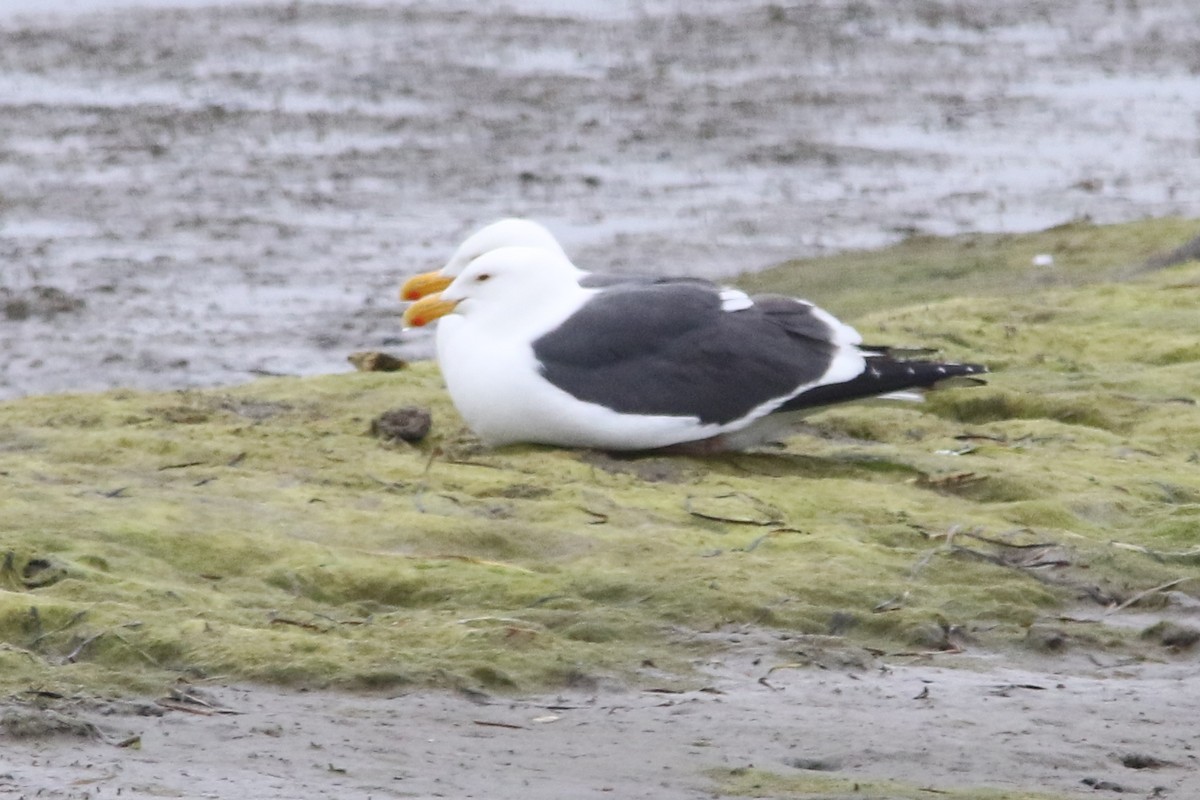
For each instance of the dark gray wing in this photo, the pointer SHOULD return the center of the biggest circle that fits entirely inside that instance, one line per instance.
(795, 316)
(670, 349)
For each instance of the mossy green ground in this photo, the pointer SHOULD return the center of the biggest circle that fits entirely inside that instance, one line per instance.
(260, 533)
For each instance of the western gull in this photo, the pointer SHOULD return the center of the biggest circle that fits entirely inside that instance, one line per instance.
(507, 232)
(531, 355)
(514, 232)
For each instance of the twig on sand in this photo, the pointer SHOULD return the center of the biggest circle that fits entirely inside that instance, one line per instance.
(768, 535)
(793, 665)
(489, 724)
(183, 465)
(1142, 595)
(1182, 556)
(762, 513)
(1036, 546)
(950, 483)
(71, 657)
(1032, 566)
(1026, 557)
(891, 604)
(311, 626)
(502, 620)
(186, 700)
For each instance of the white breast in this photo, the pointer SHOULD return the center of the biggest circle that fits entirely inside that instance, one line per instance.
(497, 388)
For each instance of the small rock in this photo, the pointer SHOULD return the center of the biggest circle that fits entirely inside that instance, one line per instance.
(38, 301)
(411, 423)
(1103, 786)
(840, 622)
(814, 764)
(1047, 639)
(1173, 635)
(1143, 761)
(36, 723)
(373, 361)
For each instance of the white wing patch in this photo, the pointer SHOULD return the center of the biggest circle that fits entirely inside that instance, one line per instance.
(839, 332)
(904, 396)
(735, 300)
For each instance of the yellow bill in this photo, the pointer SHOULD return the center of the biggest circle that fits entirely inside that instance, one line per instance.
(426, 283)
(427, 309)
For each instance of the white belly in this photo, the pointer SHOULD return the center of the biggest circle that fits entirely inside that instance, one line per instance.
(501, 395)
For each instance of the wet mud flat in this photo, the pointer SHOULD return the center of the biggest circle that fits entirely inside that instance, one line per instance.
(762, 728)
(194, 195)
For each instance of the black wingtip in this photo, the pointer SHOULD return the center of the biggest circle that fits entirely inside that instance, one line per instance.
(885, 375)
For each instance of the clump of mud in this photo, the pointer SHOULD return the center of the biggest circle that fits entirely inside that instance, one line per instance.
(45, 302)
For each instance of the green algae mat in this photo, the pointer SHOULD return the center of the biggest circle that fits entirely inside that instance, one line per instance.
(261, 532)
(748, 782)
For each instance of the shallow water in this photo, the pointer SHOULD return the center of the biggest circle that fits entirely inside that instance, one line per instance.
(238, 189)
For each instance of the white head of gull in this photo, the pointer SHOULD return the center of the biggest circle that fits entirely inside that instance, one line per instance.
(508, 232)
(530, 354)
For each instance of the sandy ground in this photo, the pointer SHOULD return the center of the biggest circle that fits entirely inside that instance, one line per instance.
(1117, 729)
(195, 195)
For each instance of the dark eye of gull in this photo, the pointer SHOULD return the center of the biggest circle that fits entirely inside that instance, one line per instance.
(481, 278)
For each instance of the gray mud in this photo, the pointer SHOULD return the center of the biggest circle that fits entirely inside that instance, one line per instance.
(1127, 728)
(238, 190)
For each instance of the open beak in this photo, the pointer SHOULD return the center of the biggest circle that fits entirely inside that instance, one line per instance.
(424, 284)
(427, 309)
